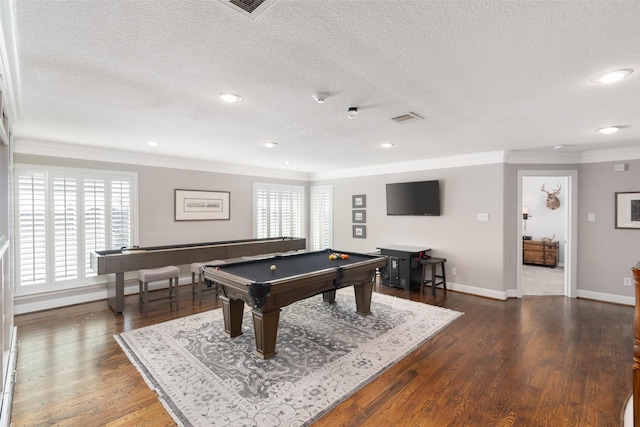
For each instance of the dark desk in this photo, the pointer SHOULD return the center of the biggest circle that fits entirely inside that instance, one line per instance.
(403, 269)
(297, 276)
(119, 261)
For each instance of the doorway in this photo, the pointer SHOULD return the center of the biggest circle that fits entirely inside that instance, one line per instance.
(547, 235)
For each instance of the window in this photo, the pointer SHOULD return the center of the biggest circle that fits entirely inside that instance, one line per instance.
(278, 210)
(321, 217)
(61, 216)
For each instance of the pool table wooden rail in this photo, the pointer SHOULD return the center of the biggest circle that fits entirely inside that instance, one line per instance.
(290, 289)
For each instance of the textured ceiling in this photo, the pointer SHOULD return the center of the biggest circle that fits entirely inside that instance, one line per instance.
(485, 76)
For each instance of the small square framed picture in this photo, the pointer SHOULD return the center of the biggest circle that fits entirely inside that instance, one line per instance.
(359, 215)
(359, 231)
(359, 201)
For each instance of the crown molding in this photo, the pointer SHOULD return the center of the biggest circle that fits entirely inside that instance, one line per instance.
(611, 155)
(573, 157)
(99, 154)
(84, 152)
(547, 157)
(490, 157)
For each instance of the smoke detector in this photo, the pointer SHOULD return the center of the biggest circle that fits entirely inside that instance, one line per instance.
(320, 97)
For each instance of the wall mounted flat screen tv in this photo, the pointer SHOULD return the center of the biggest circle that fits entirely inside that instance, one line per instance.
(414, 198)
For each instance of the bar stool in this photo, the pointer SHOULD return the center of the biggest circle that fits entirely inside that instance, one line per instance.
(152, 274)
(431, 264)
(197, 286)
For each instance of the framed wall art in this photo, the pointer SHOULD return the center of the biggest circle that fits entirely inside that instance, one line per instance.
(359, 201)
(628, 210)
(359, 216)
(200, 205)
(359, 231)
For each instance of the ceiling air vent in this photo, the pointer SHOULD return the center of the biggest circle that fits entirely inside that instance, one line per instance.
(250, 8)
(406, 118)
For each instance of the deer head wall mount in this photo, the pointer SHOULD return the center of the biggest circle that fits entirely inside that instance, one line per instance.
(552, 197)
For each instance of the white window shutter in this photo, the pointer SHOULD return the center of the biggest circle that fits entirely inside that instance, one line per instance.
(62, 215)
(121, 214)
(31, 228)
(65, 228)
(278, 210)
(321, 217)
(95, 220)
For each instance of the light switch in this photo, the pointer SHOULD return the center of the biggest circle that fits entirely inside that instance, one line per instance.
(591, 217)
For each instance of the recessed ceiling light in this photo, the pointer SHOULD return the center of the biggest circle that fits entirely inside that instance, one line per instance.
(612, 76)
(270, 144)
(152, 144)
(229, 97)
(609, 129)
(559, 147)
(386, 145)
(286, 163)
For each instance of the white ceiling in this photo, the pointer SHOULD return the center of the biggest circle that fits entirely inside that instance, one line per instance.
(485, 75)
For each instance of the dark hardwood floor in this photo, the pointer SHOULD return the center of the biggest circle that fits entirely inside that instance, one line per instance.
(537, 361)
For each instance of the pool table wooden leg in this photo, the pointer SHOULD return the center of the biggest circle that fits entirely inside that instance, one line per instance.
(232, 310)
(265, 326)
(363, 297)
(329, 296)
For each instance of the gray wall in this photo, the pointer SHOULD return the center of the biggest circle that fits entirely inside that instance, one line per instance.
(484, 253)
(474, 248)
(605, 254)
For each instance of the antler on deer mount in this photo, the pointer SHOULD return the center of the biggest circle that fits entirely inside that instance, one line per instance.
(552, 197)
(549, 239)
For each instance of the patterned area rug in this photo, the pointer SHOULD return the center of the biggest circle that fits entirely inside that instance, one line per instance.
(325, 353)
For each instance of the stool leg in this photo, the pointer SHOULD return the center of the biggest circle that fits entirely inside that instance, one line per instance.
(424, 271)
(145, 299)
(140, 291)
(200, 284)
(433, 280)
(193, 287)
(444, 277)
(175, 291)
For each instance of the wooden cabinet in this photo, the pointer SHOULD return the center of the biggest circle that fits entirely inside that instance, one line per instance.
(540, 252)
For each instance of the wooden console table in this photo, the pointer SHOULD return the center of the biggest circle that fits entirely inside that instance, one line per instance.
(540, 252)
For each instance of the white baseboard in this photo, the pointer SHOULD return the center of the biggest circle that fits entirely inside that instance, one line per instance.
(600, 296)
(513, 293)
(10, 381)
(44, 301)
(482, 292)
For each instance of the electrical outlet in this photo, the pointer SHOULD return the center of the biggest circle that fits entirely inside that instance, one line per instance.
(454, 271)
(627, 281)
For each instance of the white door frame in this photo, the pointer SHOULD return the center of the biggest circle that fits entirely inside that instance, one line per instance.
(571, 247)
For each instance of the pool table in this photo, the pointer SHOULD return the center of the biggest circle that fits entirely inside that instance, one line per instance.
(295, 277)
